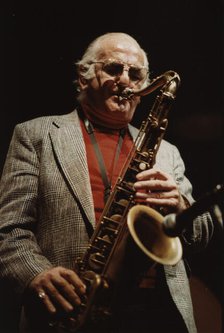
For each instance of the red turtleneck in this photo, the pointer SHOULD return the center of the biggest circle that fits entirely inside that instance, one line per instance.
(107, 141)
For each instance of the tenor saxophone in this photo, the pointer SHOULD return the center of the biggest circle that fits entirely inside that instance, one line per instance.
(125, 229)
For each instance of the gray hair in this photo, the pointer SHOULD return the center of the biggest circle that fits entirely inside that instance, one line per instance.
(85, 67)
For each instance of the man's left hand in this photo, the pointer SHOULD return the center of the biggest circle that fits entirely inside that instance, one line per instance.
(158, 189)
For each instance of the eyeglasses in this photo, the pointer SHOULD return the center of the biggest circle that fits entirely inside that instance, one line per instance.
(115, 68)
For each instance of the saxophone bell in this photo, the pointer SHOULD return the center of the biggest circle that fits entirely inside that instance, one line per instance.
(146, 228)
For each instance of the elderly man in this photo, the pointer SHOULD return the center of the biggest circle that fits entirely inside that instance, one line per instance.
(56, 180)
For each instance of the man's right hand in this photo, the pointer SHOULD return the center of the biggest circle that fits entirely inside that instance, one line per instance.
(58, 288)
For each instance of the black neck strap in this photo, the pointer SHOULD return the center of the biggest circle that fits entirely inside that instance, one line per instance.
(107, 183)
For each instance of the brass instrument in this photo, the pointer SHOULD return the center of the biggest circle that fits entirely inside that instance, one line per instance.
(127, 232)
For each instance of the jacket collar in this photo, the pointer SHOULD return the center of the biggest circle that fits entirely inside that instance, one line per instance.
(69, 149)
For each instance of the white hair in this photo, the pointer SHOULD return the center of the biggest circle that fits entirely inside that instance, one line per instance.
(85, 67)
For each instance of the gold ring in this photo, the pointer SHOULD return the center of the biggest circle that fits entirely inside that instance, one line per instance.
(42, 294)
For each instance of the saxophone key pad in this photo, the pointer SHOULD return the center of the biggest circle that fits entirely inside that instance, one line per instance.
(142, 166)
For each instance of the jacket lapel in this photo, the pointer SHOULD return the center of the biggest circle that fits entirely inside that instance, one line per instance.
(69, 148)
(70, 152)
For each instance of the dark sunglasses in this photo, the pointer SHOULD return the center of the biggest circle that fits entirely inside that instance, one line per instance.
(116, 68)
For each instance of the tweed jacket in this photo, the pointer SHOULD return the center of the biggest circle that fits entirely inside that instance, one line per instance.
(46, 205)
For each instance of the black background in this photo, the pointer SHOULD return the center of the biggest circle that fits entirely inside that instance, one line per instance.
(43, 39)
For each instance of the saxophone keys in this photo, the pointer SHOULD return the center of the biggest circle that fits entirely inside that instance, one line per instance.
(143, 166)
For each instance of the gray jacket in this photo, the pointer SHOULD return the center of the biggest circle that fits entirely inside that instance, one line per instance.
(46, 205)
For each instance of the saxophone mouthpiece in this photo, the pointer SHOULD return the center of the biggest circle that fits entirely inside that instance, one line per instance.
(126, 94)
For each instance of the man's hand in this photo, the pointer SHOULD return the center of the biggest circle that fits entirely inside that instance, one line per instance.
(58, 287)
(159, 189)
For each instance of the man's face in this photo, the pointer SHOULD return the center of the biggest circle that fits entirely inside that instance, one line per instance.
(119, 66)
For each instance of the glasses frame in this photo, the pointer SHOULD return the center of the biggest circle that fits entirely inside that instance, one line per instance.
(126, 67)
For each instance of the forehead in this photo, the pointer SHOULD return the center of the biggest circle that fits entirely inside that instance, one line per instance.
(123, 49)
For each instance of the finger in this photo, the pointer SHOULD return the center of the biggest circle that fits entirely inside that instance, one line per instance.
(153, 174)
(68, 291)
(46, 302)
(74, 280)
(163, 194)
(57, 298)
(172, 203)
(157, 195)
(154, 185)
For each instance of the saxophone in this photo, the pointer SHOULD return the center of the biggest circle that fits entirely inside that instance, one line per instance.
(127, 232)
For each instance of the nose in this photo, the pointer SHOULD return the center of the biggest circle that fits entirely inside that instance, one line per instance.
(124, 78)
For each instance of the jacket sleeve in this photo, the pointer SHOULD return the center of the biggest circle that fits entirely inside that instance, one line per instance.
(20, 256)
(200, 230)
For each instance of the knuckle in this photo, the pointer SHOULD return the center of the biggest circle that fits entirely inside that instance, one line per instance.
(55, 294)
(63, 284)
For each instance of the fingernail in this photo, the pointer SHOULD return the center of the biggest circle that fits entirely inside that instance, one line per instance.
(70, 308)
(139, 176)
(77, 301)
(83, 289)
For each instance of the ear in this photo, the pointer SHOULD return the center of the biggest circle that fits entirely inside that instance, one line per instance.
(82, 82)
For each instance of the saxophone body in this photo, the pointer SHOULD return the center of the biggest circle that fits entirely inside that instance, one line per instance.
(128, 237)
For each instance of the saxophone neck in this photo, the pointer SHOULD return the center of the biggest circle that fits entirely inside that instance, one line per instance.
(169, 81)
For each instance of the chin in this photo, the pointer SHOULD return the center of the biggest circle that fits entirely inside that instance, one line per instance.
(121, 118)
(123, 107)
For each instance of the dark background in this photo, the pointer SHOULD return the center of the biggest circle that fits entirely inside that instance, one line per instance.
(43, 39)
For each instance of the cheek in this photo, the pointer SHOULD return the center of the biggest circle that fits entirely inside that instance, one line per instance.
(134, 103)
(98, 89)
(99, 81)
(94, 84)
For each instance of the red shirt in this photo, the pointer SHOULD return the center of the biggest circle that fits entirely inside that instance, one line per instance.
(107, 141)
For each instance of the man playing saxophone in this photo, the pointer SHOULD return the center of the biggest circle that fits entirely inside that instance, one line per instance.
(56, 180)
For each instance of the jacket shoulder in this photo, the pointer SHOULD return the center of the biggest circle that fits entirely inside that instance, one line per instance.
(40, 126)
(46, 121)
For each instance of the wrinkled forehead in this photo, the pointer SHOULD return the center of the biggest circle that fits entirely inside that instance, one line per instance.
(123, 49)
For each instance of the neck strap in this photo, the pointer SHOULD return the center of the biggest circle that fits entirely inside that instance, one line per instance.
(107, 182)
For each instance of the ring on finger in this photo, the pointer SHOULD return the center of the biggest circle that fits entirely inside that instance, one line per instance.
(41, 294)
